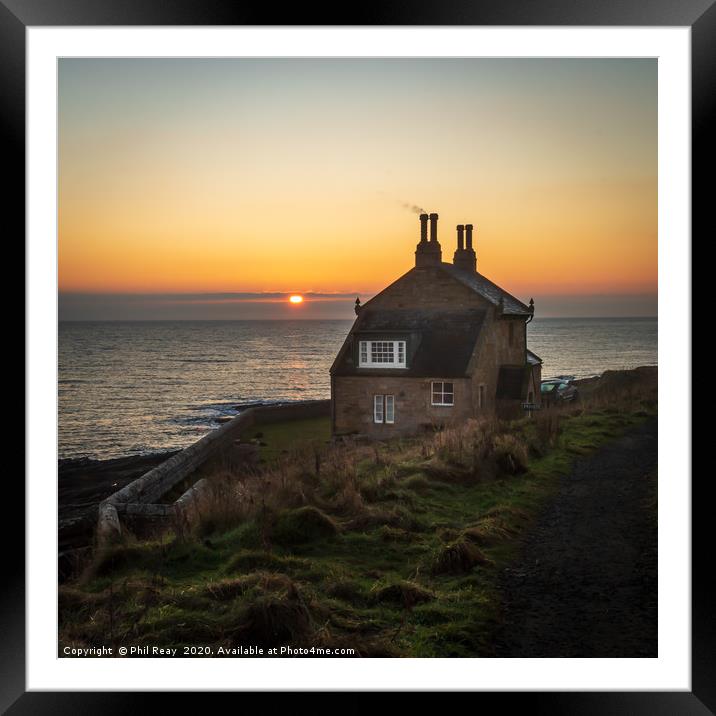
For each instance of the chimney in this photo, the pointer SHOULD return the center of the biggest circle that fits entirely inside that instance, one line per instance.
(423, 228)
(434, 227)
(468, 232)
(428, 253)
(464, 257)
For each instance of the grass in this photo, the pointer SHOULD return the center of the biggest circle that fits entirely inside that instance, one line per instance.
(391, 550)
(278, 440)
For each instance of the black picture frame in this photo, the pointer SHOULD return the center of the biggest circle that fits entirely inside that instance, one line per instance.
(699, 15)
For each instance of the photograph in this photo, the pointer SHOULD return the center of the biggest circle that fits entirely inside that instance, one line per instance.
(357, 357)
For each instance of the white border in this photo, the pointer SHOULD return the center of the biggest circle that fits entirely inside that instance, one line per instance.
(672, 668)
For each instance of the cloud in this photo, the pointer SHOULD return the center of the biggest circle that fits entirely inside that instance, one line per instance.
(203, 306)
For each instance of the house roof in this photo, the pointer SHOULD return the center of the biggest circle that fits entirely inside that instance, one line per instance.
(440, 343)
(488, 290)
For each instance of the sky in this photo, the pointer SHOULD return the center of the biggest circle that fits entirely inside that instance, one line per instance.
(215, 188)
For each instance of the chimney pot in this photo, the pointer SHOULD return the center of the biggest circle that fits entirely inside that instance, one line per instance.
(433, 227)
(423, 228)
(468, 236)
(460, 237)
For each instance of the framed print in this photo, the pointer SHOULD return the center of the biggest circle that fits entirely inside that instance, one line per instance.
(364, 342)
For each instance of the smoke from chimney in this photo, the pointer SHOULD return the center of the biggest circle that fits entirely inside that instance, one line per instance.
(414, 208)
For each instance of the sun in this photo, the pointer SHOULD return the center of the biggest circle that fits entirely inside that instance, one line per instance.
(296, 299)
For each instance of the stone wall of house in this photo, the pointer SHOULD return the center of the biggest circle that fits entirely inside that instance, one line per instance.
(493, 350)
(499, 344)
(413, 408)
(536, 384)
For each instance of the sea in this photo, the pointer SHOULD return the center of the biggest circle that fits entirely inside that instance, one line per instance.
(128, 388)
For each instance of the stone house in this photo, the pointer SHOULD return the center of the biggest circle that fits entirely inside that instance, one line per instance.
(439, 345)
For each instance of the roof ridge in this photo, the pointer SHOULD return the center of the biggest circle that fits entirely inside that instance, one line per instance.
(465, 277)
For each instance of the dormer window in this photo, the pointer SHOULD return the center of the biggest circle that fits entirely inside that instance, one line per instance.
(382, 354)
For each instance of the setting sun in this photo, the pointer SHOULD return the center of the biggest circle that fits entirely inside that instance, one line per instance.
(296, 299)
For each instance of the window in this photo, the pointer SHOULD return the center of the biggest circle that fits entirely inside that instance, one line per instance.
(382, 354)
(481, 397)
(443, 393)
(378, 408)
(389, 409)
(384, 409)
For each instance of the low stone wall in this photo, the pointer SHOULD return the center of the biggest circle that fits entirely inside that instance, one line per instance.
(153, 485)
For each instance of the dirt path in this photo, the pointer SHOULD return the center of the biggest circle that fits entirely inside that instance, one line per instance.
(585, 583)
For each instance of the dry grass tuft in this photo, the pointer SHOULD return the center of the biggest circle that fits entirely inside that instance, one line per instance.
(405, 594)
(458, 557)
(489, 531)
(306, 524)
(417, 483)
(548, 428)
(272, 620)
(510, 454)
(229, 589)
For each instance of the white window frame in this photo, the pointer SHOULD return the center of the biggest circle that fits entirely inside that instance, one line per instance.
(389, 410)
(384, 409)
(378, 412)
(367, 350)
(442, 392)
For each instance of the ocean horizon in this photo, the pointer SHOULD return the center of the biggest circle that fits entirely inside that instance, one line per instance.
(135, 387)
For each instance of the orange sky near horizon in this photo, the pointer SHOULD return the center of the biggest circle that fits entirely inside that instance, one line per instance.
(294, 175)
